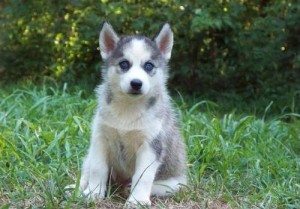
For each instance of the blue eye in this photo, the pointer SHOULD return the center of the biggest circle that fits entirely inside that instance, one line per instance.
(124, 65)
(148, 67)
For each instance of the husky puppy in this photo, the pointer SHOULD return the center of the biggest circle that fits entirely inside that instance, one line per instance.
(135, 136)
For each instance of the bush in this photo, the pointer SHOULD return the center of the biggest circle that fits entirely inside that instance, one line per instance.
(248, 46)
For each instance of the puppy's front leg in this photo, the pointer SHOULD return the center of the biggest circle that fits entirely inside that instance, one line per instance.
(142, 180)
(95, 170)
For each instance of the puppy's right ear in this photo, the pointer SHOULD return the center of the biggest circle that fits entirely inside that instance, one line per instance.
(108, 40)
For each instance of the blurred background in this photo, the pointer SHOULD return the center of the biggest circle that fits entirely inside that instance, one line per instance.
(229, 49)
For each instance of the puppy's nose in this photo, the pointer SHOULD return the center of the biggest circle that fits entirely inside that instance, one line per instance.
(136, 84)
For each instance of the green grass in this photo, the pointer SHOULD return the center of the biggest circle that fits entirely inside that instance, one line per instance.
(242, 161)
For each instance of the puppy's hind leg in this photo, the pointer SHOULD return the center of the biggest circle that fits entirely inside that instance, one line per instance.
(84, 179)
(168, 186)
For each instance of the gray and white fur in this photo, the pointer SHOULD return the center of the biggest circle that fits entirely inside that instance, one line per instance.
(135, 136)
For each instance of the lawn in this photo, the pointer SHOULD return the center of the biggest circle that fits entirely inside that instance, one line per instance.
(235, 160)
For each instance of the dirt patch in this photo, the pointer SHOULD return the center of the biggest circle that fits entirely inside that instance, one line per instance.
(185, 199)
(162, 203)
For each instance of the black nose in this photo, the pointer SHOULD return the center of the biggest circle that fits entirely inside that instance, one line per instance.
(136, 84)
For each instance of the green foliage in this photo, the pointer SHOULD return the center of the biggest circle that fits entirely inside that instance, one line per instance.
(43, 136)
(246, 161)
(250, 158)
(251, 46)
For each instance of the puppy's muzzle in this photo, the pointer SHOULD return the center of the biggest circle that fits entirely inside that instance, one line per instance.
(136, 86)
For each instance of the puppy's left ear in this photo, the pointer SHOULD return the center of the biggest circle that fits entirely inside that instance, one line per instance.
(164, 41)
(108, 40)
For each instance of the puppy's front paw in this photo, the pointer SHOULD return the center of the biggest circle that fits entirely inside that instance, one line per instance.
(94, 195)
(135, 202)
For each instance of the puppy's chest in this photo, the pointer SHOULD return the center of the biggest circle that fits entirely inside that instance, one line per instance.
(122, 150)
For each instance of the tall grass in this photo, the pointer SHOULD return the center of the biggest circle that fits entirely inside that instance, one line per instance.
(244, 160)
(44, 133)
(250, 161)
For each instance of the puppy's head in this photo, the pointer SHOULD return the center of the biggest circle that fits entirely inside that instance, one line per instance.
(135, 65)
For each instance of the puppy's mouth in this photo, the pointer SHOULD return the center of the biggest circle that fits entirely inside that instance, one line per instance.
(135, 92)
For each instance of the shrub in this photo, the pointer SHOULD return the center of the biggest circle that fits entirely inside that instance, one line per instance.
(249, 46)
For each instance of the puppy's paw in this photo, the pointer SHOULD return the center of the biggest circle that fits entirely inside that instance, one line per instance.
(94, 195)
(135, 203)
